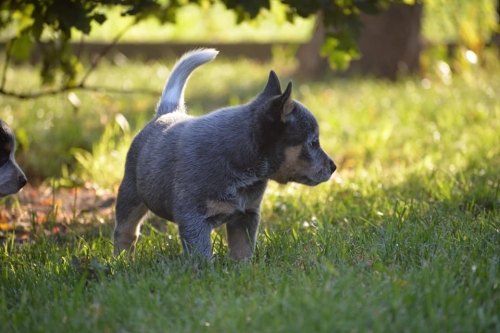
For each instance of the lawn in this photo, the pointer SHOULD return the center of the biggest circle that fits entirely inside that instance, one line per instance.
(405, 237)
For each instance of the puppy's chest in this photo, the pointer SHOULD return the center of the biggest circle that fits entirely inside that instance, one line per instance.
(235, 204)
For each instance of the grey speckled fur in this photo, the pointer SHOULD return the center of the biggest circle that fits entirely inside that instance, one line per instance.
(201, 172)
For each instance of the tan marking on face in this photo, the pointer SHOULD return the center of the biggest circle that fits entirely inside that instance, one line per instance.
(7, 146)
(220, 207)
(292, 166)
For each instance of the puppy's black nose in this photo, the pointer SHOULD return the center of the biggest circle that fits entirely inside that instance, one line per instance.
(333, 167)
(22, 181)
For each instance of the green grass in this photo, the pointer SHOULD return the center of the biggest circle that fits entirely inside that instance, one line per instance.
(404, 238)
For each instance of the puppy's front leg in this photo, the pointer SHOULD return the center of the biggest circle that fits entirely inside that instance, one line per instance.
(241, 235)
(195, 236)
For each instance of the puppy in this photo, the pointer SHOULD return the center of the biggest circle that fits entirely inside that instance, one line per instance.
(205, 171)
(12, 178)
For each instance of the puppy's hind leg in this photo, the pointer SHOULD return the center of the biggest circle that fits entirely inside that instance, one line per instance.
(241, 235)
(129, 211)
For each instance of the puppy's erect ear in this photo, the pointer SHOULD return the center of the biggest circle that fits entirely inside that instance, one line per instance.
(273, 86)
(287, 103)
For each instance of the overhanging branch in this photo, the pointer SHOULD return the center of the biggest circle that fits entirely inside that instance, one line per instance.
(52, 92)
(104, 51)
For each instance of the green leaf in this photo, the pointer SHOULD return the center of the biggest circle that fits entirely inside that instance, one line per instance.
(72, 15)
(21, 46)
(339, 49)
(290, 16)
(37, 27)
(99, 18)
(367, 6)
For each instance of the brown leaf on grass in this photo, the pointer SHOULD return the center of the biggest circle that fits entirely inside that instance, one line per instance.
(3, 218)
(40, 218)
(61, 207)
(6, 226)
(50, 202)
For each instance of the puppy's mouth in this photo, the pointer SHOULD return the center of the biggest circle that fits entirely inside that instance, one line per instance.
(10, 188)
(306, 180)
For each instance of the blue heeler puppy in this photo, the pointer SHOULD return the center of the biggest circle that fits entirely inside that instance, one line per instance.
(201, 172)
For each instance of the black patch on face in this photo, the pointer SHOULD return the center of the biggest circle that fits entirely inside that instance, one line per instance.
(6, 143)
(270, 127)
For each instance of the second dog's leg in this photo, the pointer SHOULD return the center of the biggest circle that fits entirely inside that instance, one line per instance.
(129, 212)
(241, 236)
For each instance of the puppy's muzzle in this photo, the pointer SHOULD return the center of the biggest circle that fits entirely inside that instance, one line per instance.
(327, 168)
(333, 167)
(22, 181)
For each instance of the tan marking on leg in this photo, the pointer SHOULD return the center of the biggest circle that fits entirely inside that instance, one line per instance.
(241, 236)
(239, 242)
(254, 205)
(220, 207)
(127, 231)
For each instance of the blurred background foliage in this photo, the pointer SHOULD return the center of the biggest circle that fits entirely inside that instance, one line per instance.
(57, 22)
(471, 23)
(51, 29)
(81, 136)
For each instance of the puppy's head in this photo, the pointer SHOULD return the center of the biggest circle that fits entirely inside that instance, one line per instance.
(12, 178)
(293, 134)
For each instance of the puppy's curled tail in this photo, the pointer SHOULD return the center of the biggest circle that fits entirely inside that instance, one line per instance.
(172, 98)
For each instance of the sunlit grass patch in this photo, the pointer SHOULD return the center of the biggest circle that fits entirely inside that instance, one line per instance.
(404, 237)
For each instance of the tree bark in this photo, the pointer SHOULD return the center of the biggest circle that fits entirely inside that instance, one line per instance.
(390, 45)
(311, 64)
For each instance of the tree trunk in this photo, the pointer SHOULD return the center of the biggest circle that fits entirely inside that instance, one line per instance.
(311, 64)
(390, 45)
(495, 39)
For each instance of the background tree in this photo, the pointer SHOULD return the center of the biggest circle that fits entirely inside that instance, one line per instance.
(391, 42)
